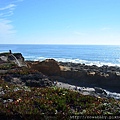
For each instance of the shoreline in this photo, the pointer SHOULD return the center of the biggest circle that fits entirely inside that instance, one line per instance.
(96, 91)
(105, 77)
(77, 74)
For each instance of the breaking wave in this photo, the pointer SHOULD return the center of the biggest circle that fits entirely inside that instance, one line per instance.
(97, 63)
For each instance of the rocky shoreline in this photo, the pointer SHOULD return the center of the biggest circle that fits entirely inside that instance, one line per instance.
(49, 70)
(49, 88)
(106, 77)
(95, 92)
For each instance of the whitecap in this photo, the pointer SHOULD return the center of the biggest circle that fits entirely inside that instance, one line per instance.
(97, 63)
(113, 94)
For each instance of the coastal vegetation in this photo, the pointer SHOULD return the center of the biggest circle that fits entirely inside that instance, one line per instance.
(34, 102)
(27, 94)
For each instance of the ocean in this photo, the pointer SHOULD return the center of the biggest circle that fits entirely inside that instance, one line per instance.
(88, 54)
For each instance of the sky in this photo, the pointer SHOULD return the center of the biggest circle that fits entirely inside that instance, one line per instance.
(84, 22)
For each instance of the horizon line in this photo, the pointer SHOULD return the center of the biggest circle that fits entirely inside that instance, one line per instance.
(56, 44)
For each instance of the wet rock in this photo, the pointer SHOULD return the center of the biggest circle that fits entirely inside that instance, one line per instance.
(100, 90)
(7, 101)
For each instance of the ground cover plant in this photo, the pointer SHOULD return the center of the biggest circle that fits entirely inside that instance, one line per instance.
(27, 102)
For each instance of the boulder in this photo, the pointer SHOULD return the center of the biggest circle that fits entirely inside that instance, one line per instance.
(48, 67)
(10, 57)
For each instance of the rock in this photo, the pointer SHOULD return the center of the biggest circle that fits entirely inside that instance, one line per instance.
(16, 58)
(3, 58)
(40, 83)
(107, 77)
(76, 75)
(35, 79)
(47, 67)
(100, 90)
(7, 101)
(117, 73)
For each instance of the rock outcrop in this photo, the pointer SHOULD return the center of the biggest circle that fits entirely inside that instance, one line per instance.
(48, 67)
(107, 77)
(10, 57)
(33, 79)
(12, 70)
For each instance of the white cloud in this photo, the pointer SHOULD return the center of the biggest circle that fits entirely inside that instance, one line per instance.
(7, 31)
(6, 14)
(10, 7)
(7, 10)
(6, 27)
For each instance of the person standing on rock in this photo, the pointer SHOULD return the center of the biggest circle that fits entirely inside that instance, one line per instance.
(10, 51)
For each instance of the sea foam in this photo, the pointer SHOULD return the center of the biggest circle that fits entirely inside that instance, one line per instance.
(97, 63)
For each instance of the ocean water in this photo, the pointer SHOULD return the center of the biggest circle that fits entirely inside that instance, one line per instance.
(88, 54)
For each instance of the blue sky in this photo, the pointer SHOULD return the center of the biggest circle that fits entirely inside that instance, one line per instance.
(60, 22)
